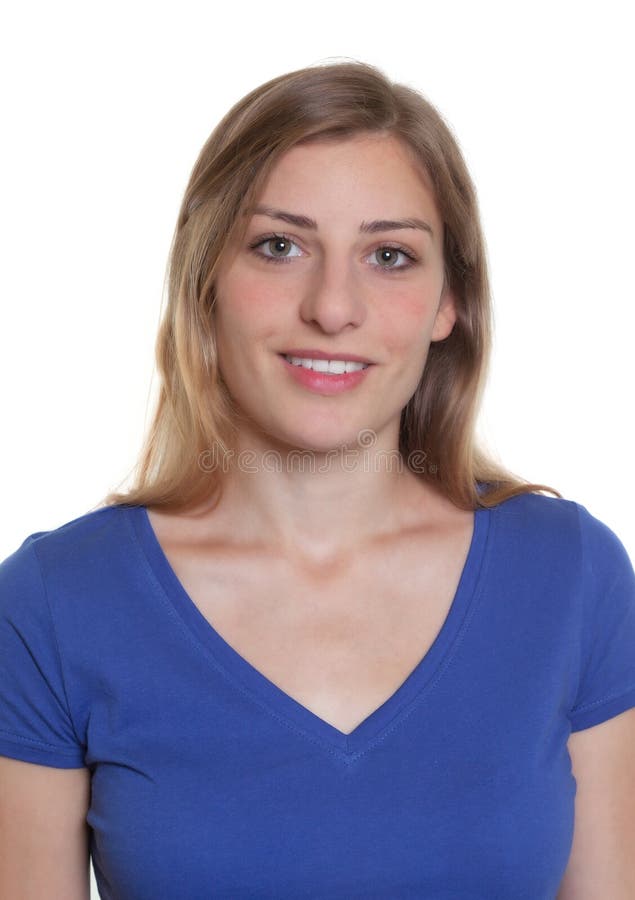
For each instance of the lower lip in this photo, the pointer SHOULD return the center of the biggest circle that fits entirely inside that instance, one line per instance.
(325, 384)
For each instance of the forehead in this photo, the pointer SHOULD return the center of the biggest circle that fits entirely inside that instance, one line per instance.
(368, 175)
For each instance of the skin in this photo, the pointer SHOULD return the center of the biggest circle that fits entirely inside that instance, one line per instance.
(335, 577)
(332, 293)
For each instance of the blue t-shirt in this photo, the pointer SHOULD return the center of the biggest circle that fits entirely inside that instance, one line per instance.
(208, 781)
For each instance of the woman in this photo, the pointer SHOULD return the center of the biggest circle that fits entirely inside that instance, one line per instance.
(323, 647)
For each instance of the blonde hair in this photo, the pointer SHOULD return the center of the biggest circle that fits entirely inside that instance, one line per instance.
(194, 411)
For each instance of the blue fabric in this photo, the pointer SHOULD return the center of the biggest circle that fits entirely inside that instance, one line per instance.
(210, 782)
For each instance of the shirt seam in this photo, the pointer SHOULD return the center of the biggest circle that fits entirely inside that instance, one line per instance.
(588, 614)
(211, 658)
(57, 647)
(66, 751)
(607, 699)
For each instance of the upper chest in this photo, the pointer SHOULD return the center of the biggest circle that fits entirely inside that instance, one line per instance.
(338, 642)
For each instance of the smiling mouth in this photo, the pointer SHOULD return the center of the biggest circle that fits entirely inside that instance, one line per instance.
(325, 366)
(326, 381)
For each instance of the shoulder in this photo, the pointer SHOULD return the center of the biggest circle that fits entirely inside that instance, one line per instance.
(565, 525)
(80, 544)
(63, 591)
(532, 510)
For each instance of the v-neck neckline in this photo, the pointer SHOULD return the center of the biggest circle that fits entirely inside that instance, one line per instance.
(275, 700)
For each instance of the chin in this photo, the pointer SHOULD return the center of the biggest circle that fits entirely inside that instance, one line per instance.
(318, 442)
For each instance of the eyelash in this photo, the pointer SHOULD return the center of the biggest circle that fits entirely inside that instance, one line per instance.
(281, 259)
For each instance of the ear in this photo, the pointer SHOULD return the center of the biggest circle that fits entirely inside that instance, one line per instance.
(445, 317)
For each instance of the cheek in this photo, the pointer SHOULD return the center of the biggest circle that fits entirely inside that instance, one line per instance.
(406, 318)
(242, 305)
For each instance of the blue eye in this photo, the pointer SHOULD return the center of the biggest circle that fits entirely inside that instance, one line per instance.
(276, 240)
(278, 243)
(401, 251)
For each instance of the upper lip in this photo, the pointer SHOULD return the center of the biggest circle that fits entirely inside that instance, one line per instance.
(332, 354)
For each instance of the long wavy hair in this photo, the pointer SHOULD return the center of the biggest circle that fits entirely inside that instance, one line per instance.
(194, 411)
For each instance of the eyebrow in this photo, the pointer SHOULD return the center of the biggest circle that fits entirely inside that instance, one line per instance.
(365, 227)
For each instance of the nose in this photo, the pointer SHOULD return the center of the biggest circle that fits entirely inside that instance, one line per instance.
(333, 297)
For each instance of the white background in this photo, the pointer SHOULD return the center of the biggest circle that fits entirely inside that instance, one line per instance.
(105, 109)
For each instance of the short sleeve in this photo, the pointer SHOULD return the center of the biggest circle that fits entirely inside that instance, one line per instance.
(607, 658)
(35, 723)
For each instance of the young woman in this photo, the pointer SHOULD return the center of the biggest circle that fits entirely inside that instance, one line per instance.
(323, 647)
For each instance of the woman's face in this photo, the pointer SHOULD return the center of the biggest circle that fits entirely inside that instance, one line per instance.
(336, 285)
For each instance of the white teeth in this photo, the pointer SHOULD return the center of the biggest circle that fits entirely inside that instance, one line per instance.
(328, 366)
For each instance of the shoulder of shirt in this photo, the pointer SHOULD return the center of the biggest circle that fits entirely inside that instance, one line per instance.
(569, 522)
(84, 533)
(539, 510)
